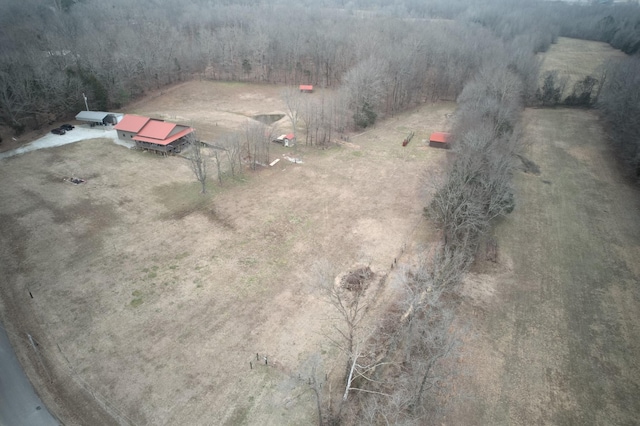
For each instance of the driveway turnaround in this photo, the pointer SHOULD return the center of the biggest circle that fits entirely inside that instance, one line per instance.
(19, 404)
(78, 134)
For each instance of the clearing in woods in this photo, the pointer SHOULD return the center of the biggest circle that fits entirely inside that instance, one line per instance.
(557, 320)
(576, 59)
(157, 298)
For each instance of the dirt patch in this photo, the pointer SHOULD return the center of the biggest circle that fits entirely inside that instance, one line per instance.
(357, 280)
(529, 166)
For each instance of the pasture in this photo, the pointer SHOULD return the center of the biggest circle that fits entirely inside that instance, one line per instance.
(554, 323)
(152, 299)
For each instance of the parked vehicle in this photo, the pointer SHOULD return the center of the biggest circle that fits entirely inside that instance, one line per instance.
(59, 131)
(67, 127)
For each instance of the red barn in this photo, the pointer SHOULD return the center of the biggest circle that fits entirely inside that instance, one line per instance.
(440, 140)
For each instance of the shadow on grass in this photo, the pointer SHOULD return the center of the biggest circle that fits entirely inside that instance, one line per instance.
(184, 199)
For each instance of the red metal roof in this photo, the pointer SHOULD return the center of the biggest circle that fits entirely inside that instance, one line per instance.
(441, 137)
(290, 136)
(157, 129)
(306, 87)
(164, 140)
(132, 123)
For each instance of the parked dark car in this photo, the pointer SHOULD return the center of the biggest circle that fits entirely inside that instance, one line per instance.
(59, 131)
(67, 127)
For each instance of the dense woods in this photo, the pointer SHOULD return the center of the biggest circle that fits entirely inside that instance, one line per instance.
(620, 106)
(381, 58)
(117, 52)
(403, 53)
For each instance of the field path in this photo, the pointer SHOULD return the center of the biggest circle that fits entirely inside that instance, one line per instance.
(558, 340)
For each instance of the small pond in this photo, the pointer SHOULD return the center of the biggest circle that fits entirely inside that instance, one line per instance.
(268, 119)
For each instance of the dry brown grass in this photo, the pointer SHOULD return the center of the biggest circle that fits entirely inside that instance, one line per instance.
(575, 59)
(158, 298)
(556, 321)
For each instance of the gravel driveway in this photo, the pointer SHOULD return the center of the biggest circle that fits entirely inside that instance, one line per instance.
(78, 134)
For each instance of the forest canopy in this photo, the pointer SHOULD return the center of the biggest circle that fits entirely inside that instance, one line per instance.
(51, 53)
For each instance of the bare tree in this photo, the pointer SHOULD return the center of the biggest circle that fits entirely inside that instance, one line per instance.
(233, 148)
(365, 84)
(293, 102)
(350, 305)
(356, 341)
(197, 160)
(258, 139)
(620, 103)
(216, 156)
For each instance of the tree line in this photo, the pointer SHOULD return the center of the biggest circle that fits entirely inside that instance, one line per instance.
(619, 104)
(52, 53)
(396, 364)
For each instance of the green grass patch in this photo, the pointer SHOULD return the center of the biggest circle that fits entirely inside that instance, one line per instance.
(136, 302)
(294, 220)
(182, 255)
(248, 261)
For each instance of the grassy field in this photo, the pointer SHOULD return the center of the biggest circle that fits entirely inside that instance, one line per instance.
(555, 323)
(575, 59)
(156, 298)
(152, 300)
(558, 323)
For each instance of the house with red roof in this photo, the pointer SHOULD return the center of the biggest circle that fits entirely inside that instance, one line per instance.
(440, 140)
(130, 125)
(306, 88)
(153, 134)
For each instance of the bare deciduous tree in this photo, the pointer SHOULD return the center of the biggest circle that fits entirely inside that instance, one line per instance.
(233, 148)
(365, 85)
(216, 155)
(258, 139)
(354, 342)
(620, 103)
(293, 102)
(197, 160)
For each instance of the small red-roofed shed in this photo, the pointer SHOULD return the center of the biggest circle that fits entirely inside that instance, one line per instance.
(440, 140)
(306, 88)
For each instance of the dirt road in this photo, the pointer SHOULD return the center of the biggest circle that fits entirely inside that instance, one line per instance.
(558, 319)
(19, 404)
